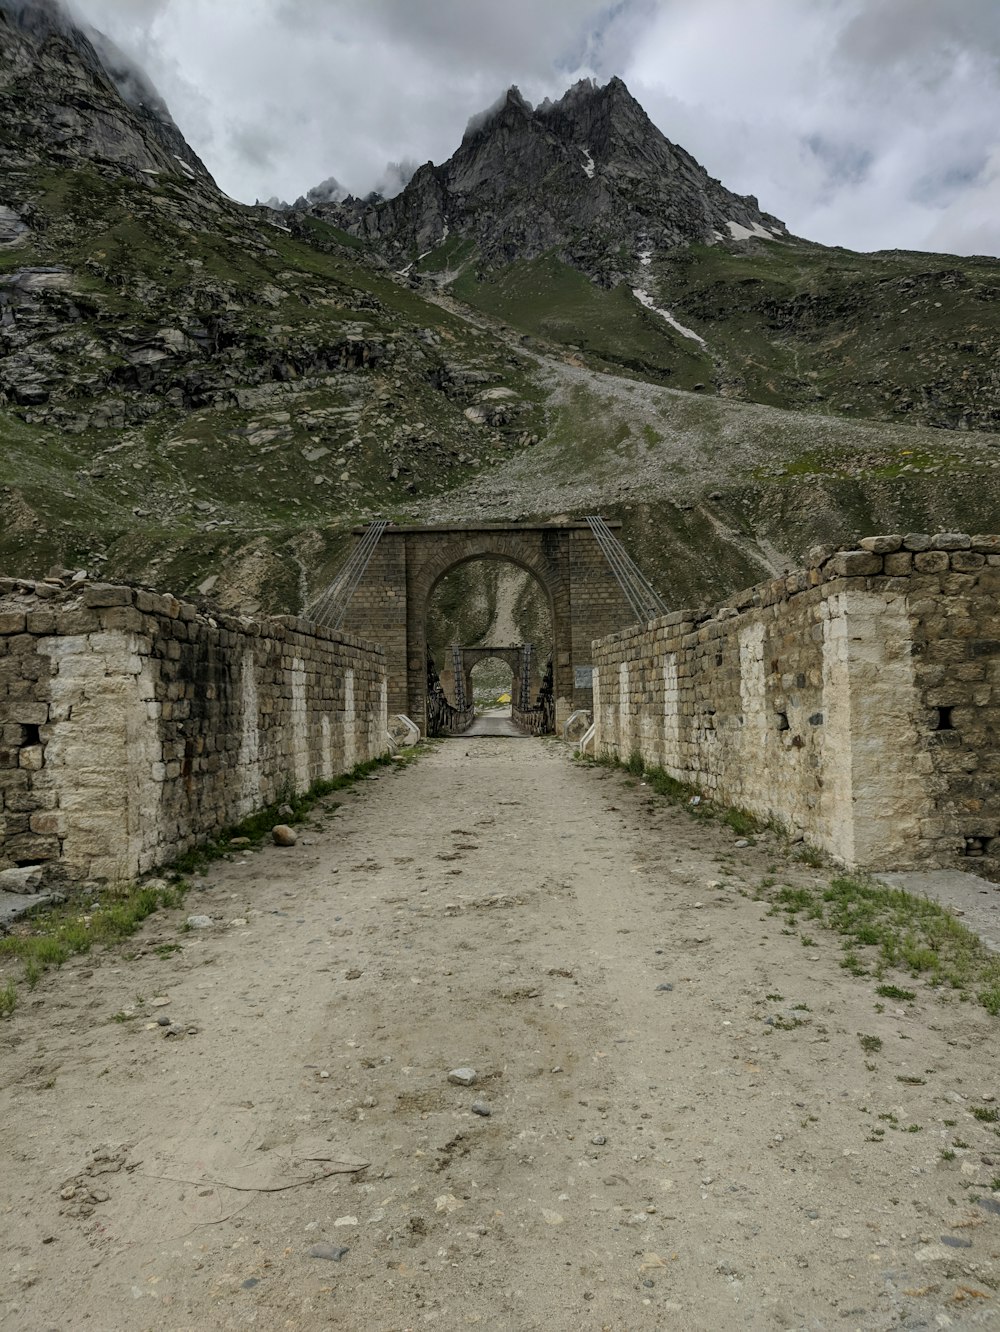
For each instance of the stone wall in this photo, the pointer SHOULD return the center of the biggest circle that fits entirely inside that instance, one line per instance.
(857, 702)
(132, 726)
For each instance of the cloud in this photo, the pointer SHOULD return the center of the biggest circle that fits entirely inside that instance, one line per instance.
(865, 123)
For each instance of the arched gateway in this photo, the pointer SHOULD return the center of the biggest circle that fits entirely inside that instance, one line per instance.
(391, 600)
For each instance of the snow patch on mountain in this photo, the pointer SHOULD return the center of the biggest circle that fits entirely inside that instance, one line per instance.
(744, 233)
(644, 298)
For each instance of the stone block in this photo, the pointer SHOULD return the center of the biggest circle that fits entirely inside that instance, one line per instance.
(122, 618)
(899, 565)
(931, 561)
(881, 545)
(986, 543)
(98, 595)
(49, 822)
(32, 758)
(13, 622)
(42, 622)
(965, 561)
(853, 564)
(29, 712)
(917, 541)
(951, 541)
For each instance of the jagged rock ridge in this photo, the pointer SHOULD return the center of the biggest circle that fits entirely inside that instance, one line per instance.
(589, 174)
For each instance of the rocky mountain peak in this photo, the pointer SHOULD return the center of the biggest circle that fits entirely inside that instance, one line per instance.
(589, 176)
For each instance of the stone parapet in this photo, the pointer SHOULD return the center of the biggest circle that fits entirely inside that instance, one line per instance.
(856, 701)
(134, 725)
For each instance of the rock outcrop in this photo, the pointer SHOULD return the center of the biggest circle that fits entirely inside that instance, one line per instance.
(70, 95)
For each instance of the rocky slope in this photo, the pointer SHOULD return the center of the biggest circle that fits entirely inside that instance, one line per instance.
(208, 396)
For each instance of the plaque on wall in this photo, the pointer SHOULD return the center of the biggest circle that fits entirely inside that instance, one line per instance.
(584, 677)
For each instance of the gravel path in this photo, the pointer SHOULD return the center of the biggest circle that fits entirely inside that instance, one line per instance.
(684, 1130)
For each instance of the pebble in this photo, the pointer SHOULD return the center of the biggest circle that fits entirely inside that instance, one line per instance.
(481, 1108)
(283, 835)
(462, 1077)
(598, 1140)
(665, 986)
(160, 1002)
(334, 1252)
(163, 1020)
(199, 922)
(741, 843)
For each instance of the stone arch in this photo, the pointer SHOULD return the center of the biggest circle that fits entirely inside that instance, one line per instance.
(510, 657)
(389, 605)
(465, 548)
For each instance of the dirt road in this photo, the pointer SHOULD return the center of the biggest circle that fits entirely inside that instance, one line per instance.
(685, 1129)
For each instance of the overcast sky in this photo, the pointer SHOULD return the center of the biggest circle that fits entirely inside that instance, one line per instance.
(866, 123)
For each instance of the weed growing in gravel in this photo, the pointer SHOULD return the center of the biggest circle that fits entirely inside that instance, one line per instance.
(882, 927)
(870, 1044)
(886, 927)
(986, 1114)
(8, 999)
(58, 934)
(894, 992)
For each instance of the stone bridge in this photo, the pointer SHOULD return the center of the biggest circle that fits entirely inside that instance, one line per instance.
(390, 604)
(856, 702)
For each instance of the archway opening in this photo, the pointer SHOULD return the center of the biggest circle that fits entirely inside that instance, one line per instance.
(495, 685)
(488, 633)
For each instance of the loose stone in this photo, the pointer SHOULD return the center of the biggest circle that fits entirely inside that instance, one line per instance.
(199, 922)
(283, 835)
(481, 1108)
(333, 1252)
(462, 1077)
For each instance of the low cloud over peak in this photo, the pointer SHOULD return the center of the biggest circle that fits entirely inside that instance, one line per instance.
(871, 125)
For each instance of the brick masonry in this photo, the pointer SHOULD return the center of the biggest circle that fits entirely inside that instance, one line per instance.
(857, 702)
(390, 604)
(132, 726)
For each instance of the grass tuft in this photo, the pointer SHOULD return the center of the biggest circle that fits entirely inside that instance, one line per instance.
(65, 931)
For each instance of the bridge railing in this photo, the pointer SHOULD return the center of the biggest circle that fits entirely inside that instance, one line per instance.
(539, 720)
(445, 719)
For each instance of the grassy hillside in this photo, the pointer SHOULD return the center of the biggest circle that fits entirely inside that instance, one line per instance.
(203, 399)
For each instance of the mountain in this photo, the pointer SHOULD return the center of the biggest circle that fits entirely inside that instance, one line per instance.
(589, 175)
(207, 396)
(68, 94)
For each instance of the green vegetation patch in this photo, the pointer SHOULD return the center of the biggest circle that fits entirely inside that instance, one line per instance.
(64, 931)
(886, 928)
(547, 298)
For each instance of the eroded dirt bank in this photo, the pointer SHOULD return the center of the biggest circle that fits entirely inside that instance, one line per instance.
(686, 1130)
